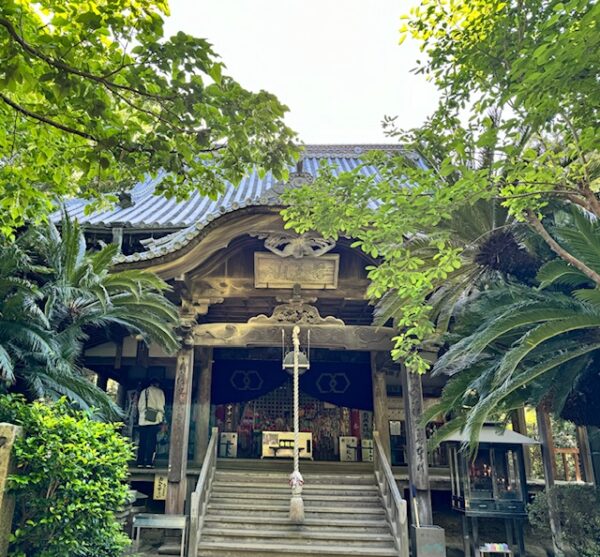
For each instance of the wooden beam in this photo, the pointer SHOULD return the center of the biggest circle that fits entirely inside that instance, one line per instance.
(519, 424)
(416, 445)
(119, 355)
(236, 287)
(102, 382)
(585, 453)
(203, 405)
(380, 405)
(345, 337)
(180, 430)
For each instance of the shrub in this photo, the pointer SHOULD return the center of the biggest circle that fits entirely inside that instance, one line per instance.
(70, 481)
(579, 514)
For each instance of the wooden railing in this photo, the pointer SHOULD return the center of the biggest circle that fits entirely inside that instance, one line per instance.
(564, 453)
(201, 494)
(395, 506)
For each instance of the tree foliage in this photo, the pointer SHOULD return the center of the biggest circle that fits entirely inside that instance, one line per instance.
(517, 123)
(55, 293)
(70, 481)
(579, 516)
(93, 97)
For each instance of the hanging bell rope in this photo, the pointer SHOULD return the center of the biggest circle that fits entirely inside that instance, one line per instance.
(296, 480)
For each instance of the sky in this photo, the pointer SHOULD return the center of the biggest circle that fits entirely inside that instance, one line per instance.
(335, 63)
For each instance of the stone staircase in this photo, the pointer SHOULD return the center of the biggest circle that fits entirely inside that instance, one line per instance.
(248, 513)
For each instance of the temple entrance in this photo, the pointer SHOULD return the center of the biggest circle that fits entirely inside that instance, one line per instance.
(252, 406)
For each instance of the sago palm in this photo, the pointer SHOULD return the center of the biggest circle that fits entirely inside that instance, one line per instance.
(519, 344)
(74, 295)
(493, 248)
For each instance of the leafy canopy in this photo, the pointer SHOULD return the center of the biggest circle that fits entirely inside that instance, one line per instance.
(517, 124)
(93, 97)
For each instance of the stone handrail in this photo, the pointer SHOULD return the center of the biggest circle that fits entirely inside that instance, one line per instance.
(201, 494)
(395, 505)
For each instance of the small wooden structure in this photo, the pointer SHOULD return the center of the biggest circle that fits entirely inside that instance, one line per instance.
(490, 485)
(160, 522)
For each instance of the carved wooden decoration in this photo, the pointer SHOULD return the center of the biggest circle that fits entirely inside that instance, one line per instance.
(271, 271)
(297, 246)
(298, 313)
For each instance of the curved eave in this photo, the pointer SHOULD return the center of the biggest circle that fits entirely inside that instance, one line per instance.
(217, 233)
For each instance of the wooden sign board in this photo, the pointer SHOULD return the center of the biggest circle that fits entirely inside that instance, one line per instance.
(311, 273)
(160, 488)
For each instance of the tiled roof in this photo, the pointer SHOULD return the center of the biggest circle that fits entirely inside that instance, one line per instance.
(156, 212)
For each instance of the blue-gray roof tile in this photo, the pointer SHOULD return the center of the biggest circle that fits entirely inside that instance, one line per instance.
(157, 213)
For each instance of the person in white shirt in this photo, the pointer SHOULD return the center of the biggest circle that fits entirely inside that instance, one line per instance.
(151, 412)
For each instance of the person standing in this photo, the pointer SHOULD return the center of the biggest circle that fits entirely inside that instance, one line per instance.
(151, 412)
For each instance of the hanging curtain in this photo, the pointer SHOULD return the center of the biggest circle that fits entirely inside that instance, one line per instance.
(342, 384)
(243, 380)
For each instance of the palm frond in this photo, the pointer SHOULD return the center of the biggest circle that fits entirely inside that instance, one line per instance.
(558, 271)
(536, 336)
(489, 403)
(6, 366)
(581, 239)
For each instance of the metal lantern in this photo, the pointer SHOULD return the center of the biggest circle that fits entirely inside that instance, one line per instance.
(492, 484)
(288, 357)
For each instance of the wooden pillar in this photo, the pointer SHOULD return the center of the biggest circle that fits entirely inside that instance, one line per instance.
(380, 405)
(180, 431)
(416, 446)
(549, 461)
(102, 382)
(519, 424)
(585, 454)
(203, 404)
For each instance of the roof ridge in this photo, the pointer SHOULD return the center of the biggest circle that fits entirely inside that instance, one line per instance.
(347, 149)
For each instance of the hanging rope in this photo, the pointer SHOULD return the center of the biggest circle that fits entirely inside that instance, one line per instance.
(296, 480)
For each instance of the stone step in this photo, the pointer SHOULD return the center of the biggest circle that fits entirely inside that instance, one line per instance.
(271, 509)
(276, 478)
(248, 513)
(329, 488)
(231, 549)
(284, 465)
(369, 524)
(309, 499)
(298, 535)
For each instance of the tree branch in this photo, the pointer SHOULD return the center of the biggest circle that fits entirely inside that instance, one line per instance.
(70, 69)
(537, 225)
(46, 120)
(134, 148)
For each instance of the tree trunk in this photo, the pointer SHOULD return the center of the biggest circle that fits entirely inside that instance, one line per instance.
(545, 431)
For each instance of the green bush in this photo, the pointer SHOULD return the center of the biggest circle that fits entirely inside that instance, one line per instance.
(70, 481)
(579, 514)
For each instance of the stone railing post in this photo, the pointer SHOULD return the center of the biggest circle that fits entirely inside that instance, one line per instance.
(8, 436)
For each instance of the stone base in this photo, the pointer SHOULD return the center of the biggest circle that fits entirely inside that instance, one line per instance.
(428, 541)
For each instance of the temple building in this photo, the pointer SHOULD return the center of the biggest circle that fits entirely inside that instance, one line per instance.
(242, 282)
